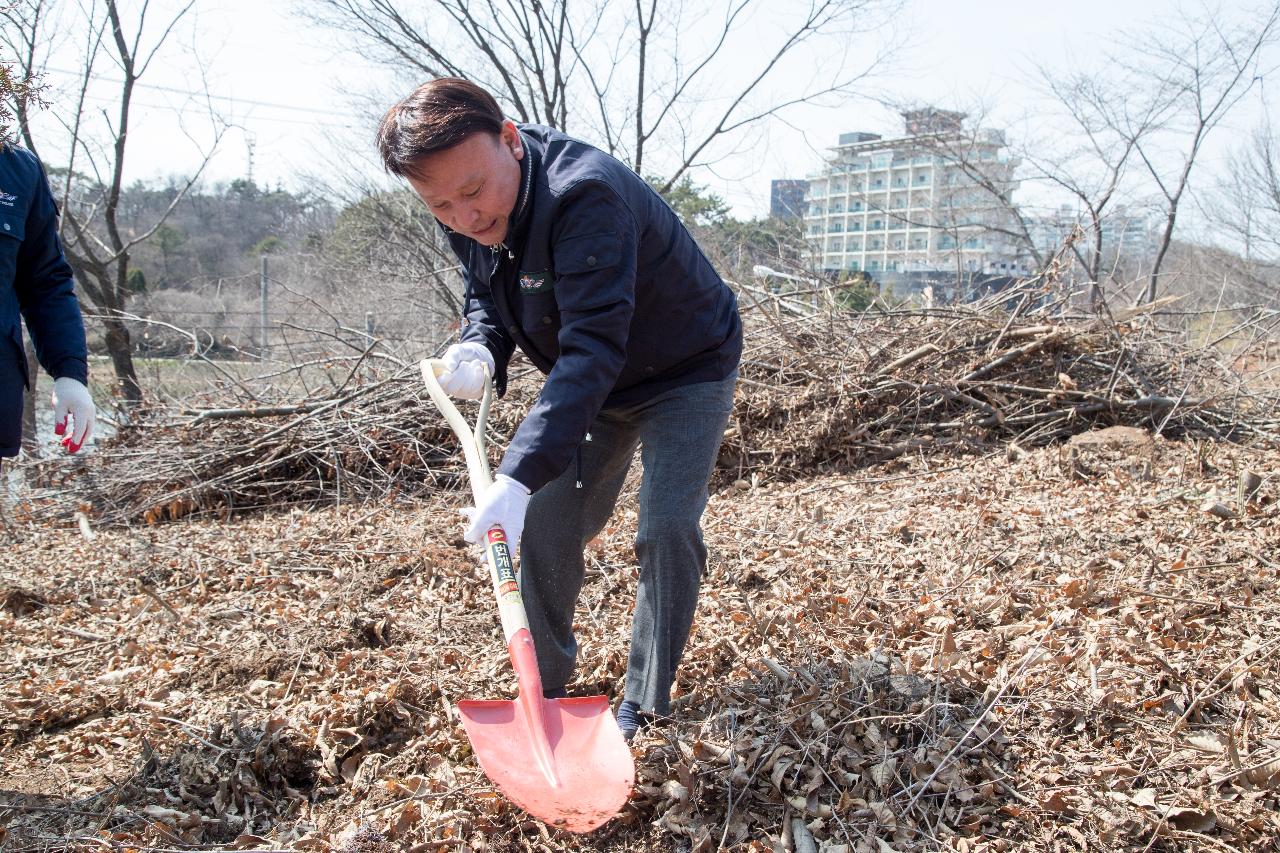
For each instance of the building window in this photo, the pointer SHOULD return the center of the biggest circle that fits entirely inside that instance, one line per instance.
(876, 225)
(922, 178)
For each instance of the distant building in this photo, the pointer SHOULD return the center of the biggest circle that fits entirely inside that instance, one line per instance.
(1130, 234)
(1049, 231)
(908, 211)
(1127, 235)
(786, 198)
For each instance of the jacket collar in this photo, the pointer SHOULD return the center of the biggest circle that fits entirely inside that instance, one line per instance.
(529, 164)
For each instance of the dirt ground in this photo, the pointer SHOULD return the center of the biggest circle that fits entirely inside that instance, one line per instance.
(1065, 648)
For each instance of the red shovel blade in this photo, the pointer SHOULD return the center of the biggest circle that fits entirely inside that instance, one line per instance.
(562, 760)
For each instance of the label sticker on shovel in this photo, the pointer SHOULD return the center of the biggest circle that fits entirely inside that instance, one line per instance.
(508, 588)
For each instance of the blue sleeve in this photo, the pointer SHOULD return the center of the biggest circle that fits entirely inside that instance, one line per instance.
(595, 244)
(46, 291)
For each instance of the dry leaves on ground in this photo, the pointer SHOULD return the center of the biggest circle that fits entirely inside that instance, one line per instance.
(1045, 649)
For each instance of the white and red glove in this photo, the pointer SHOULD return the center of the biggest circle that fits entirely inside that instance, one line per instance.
(465, 365)
(504, 504)
(72, 400)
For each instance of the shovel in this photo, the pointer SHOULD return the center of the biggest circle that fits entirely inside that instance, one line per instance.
(564, 761)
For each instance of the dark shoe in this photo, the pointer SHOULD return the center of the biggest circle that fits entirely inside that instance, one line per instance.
(631, 719)
(555, 693)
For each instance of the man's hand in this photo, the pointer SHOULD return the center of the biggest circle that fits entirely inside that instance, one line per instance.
(465, 365)
(503, 503)
(71, 398)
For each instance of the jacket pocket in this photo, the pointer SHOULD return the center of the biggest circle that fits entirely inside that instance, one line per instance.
(12, 225)
(588, 253)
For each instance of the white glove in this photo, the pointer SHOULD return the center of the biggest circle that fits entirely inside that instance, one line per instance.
(504, 504)
(465, 366)
(71, 398)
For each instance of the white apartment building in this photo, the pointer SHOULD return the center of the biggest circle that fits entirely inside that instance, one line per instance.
(908, 211)
(1128, 234)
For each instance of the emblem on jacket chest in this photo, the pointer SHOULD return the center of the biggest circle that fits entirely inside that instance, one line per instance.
(535, 282)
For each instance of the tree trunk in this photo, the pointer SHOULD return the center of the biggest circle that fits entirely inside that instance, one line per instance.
(30, 442)
(120, 348)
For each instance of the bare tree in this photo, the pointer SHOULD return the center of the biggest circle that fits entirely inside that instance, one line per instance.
(1097, 128)
(20, 88)
(1196, 74)
(1246, 205)
(1129, 132)
(95, 243)
(676, 75)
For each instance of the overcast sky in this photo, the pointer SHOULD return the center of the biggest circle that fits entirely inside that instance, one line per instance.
(287, 88)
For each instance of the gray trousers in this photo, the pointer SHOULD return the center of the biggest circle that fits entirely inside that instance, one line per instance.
(678, 433)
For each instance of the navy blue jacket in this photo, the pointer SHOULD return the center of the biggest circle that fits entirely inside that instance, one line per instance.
(605, 291)
(36, 283)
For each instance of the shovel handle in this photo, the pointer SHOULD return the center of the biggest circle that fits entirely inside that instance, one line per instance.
(497, 552)
(472, 438)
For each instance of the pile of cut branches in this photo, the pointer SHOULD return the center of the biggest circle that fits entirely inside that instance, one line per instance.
(821, 392)
(821, 397)
(383, 440)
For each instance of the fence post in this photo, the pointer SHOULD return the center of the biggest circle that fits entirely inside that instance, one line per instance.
(262, 320)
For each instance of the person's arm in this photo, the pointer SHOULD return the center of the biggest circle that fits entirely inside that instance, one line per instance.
(46, 292)
(595, 245)
(46, 296)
